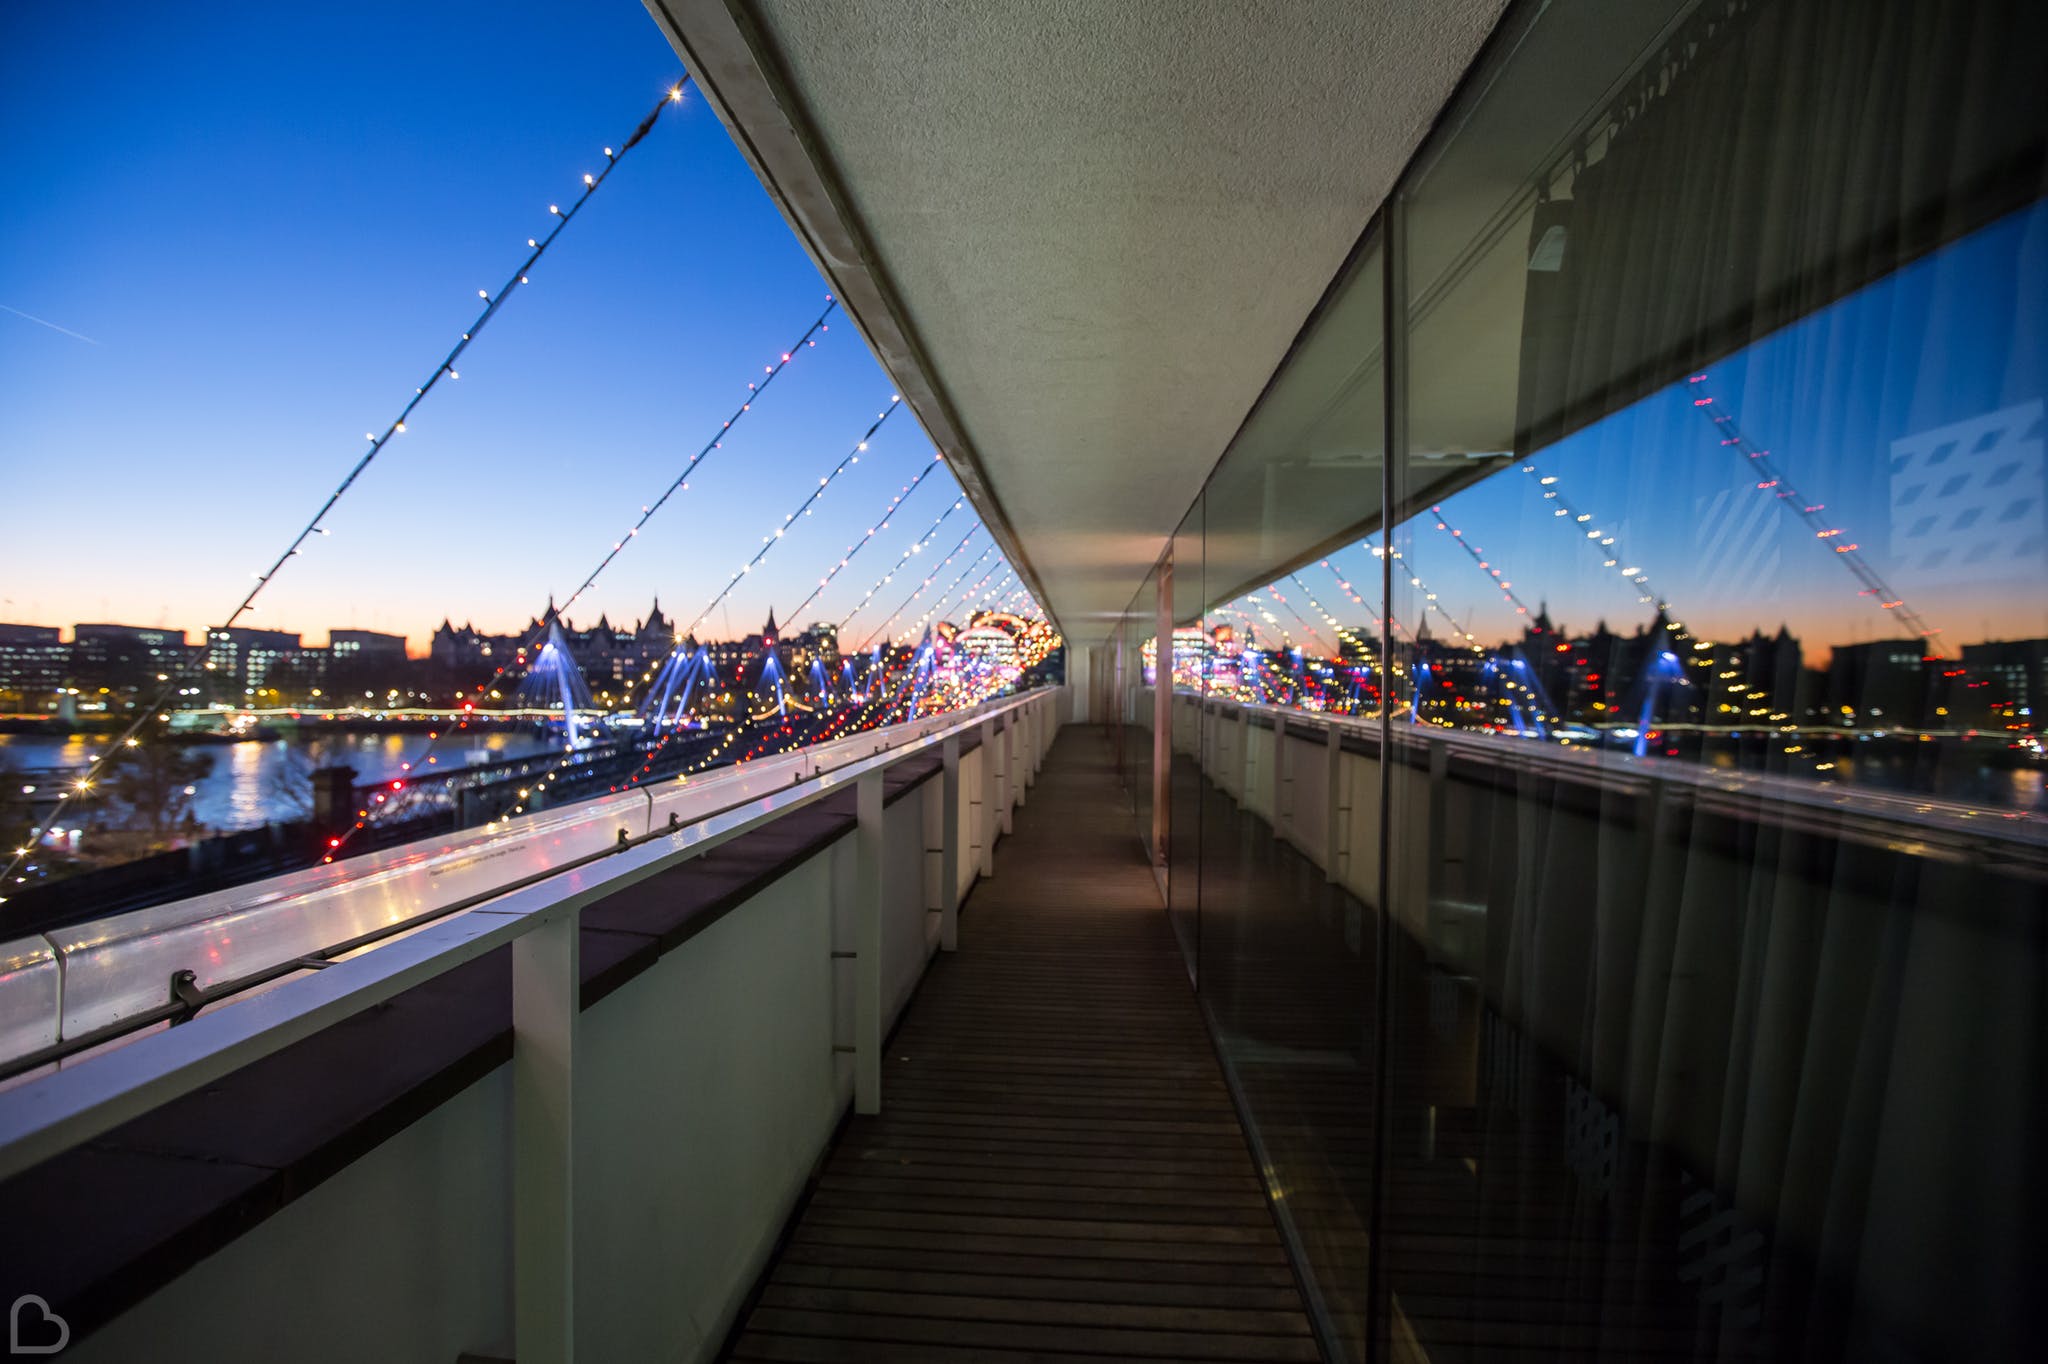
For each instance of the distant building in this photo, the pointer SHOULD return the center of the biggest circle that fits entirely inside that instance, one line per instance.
(1885, 682)
(242, 660)
(2012, 674)
(125, 658)
(34, 661)
(465, 648)
(367, 646)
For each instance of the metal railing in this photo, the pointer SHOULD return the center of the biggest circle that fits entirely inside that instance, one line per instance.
(2012, 839)
(67, 990)
(538, 917)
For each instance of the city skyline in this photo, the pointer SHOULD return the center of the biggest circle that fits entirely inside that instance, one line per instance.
(237, 354)
(289, 325)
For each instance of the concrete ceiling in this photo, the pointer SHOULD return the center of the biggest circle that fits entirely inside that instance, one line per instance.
(1081, 234)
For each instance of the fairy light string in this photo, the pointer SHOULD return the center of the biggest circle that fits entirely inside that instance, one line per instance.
(985, 590)
(493, 303)
(1772, 479)
(917, 547)
(769, 542)
(680, 483)
(937, 569)
(916, 628)
(1478, 556)
(803, 508)
(881, 524)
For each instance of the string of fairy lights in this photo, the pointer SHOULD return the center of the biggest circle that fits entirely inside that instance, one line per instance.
(937, 569)
(768, 543)
(802, 509)
(1478, 556)
(651, 761)
(916, 628)
(1774, 481)
(394, 809)
(1606, 541)
(985, 591)
(917, 547)
(493, 303)
(1344, 633)
(681, 482)
(1309, 632)
(881, 524)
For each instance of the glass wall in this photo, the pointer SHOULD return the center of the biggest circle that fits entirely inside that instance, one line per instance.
(1191, 665)
(1626, 929)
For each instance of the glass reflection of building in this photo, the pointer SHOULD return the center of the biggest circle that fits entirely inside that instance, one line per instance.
(1670, 984)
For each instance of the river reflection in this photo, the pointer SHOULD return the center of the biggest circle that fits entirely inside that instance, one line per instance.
(253, 783)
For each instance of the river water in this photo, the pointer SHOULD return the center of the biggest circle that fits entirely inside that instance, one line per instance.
(242, 791)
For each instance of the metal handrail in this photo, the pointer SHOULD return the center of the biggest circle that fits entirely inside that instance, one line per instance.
(2016, 837)
(57, 1112)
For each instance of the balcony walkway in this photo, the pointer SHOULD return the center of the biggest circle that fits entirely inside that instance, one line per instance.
(1057, 1170)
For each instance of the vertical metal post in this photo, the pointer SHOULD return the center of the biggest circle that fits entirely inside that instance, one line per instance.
(1439, 810)
(1394, 410)
(1244, 757)
(1020, 751)
(546, 989)
(1006, 773)
(1273, 778)
(949, 845)
(985, 820)
(1162, 712)
(867, 990)
(1336, 811)
(1033, 723)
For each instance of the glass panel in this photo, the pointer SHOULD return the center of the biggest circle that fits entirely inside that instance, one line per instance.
(1191, 667)
(1715, 823)
(1286, 641)
(1141, 630)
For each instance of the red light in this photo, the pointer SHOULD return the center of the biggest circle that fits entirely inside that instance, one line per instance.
(333, 842)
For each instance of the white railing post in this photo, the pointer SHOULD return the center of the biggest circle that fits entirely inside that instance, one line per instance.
(985, 819)
(1273, 778)
(1020, 750)
(1244, 758)
(546, 1009)
(1006, 773)
(1335, 810)
(949, 845)
(1029, 713)
(867, 965)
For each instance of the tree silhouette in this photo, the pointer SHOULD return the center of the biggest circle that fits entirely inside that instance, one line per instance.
(149, 781)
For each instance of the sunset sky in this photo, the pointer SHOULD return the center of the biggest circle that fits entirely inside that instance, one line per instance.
(249, 232)
(239, 236)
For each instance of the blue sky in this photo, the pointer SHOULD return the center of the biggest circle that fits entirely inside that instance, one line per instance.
(1956, 336)
(272, 222)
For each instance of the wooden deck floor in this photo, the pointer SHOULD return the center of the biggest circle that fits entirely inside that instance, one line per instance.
(1057, 1172)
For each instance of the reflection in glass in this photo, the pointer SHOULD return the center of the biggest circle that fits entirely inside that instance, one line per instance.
(1701, 919)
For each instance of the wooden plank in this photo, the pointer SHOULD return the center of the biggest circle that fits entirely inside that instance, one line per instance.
(1123, 1342)
(1058, 1171)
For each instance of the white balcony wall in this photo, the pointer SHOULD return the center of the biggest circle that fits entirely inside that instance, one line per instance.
(708, 1086)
